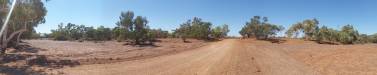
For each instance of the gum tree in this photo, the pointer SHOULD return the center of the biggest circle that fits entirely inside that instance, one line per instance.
(260, 28)
(308, 27)
(26, 15)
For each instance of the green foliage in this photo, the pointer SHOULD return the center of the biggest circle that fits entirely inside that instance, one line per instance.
(217, 32)
(26, 15)
(325, 34)
(308, 27)
(260, 29)
(140, 30)
(136, 29)
(158, 33)
(80, 32)
(220, 31)
(128, 28)
(373, 38)
(102, 34)
(60, 33)
(347, 34)
(184, 31)
(363, 38)
(199, 29)
(119, 33)
(90, 33)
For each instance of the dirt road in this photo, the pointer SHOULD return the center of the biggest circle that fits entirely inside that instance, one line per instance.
(227, 57)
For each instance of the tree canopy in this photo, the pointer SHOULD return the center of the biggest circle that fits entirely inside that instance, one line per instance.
(346, 35)
(308, 27)
(27, 14)
(260, 28)
(199, 29)
(220, 31)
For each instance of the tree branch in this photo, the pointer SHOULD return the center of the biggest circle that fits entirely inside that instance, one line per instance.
(14, 34)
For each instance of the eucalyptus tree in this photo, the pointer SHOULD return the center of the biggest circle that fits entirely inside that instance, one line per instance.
(157, 33)
(260, 28)
(327, 35)
(220, 31)
(195, 28)
(200, 29)
(136, 29)
(183, 31)
(102, 34)
(119, 33)
(294, 30)
(125, 25)
(140, 30)
(26, 15)
(224, 30)
(309, 27)
(348, 35)
(373, 38)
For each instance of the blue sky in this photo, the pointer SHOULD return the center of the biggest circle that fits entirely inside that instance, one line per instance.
(169, 14)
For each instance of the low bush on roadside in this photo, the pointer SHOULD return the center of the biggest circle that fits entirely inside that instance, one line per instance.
(346, 35)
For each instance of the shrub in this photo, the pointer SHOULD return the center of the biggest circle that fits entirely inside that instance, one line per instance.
(260, 29)
(198, 29)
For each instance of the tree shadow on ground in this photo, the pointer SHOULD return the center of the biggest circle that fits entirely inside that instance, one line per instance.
(25, 62)
(211, 39)
(276, 40)
(24, 70)
(27, 49)
(143, 44)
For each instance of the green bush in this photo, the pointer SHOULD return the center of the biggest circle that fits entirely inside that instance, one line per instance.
(373, 38)
(198, 29)
(347, 34)
(308, 27)
(260, 29)
(80, 32)
(220, 31)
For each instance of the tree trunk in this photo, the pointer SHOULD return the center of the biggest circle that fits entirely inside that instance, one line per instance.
(19, 39)
(3, 41)
(137, 42)
(184, 39)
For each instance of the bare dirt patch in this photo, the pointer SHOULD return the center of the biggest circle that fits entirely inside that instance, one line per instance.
(360, 59)
(43, 56)
(227, 57)
(89, 52)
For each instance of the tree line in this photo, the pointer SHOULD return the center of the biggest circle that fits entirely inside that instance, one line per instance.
(199, 29)
(28, 14)
(137, 31)
(346, 35)
(101, 33)
(80, 32)
(260, 29)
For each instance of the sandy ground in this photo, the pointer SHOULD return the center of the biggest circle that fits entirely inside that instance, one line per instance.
(334, 59)
(89, 52)
(226, 57)
(44, 56)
